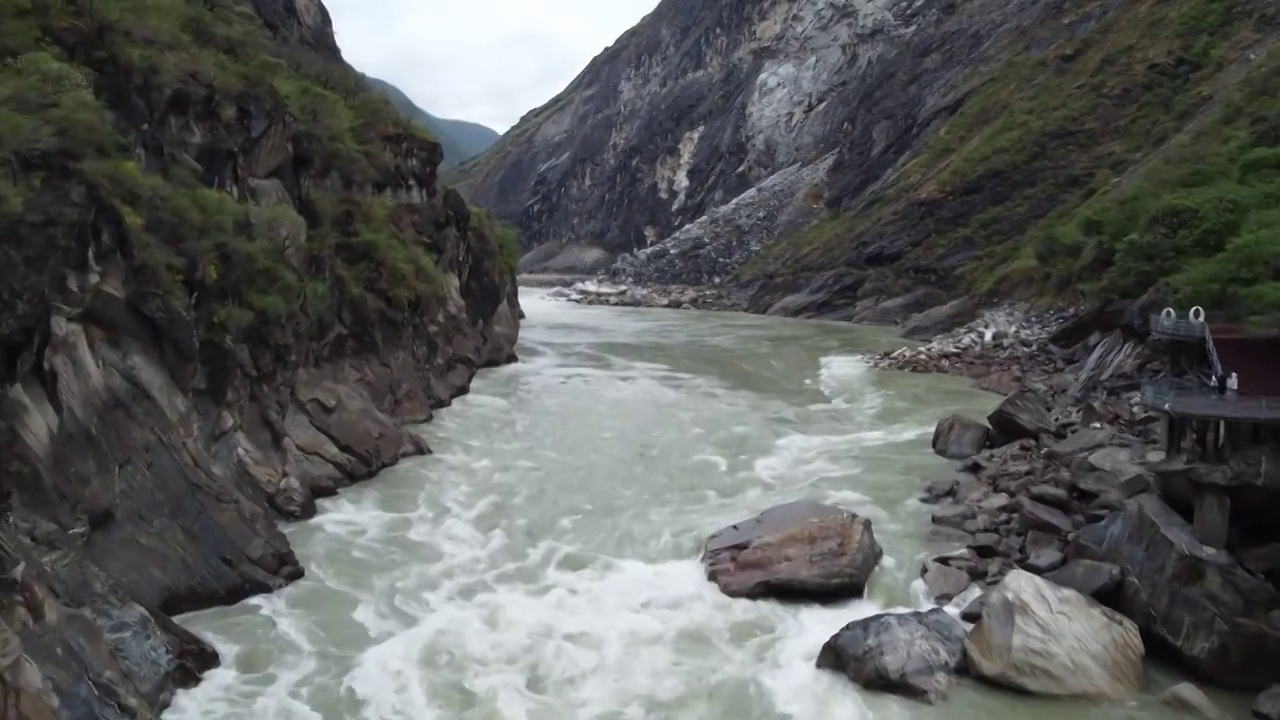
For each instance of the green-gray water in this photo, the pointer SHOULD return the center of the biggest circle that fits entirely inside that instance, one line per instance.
(542, 564)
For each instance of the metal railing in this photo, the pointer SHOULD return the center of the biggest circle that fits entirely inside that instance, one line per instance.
(1178, 327)
(1214, 362)
(1186, 328)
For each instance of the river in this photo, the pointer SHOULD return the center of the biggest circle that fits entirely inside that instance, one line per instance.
(542, 564)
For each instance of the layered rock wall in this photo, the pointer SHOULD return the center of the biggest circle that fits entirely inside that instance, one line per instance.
(162, 408)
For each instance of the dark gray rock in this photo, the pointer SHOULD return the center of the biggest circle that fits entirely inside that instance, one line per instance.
(943, 582)
(1050, 495)
(989, 545)
(1043, 561)
(1021, 415)
(957, 437)
(1080, 442)
(941, 319)
(1037, 540)
(802, 549)
(896, 309)
(1035, 516)
(915, 654)
(953, 515)
(938, 490)
(1098, 580)
(948, 536)
(1197, 604)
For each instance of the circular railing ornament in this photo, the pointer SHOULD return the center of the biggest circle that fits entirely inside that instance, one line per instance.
(1196, 315)
(1168, 315)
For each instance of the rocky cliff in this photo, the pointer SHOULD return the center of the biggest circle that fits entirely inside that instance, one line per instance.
(830, 152)
(229, 276)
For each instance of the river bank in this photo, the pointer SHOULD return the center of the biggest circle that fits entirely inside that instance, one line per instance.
(1066, 480)
(513, 574)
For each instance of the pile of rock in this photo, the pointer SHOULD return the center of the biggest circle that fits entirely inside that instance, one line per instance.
(1003, 348)
(1032, 477)
(1030, 634)
(604, 292)
(1079, 495)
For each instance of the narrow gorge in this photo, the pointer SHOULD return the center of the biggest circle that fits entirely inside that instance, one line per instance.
(239, 277)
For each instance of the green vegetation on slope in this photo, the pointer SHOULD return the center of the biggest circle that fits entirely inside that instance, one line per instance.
(81, 82)
(1128, 156)
(461, 140)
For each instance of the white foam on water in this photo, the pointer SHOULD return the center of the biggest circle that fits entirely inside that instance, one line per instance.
(503, 579)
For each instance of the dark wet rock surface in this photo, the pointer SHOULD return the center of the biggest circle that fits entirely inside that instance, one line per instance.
(916, 654)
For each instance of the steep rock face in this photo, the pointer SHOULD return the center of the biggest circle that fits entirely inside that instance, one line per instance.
(704, 101)
(832, 156)
(225, 289)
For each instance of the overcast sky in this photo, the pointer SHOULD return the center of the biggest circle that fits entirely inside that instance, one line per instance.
(488, 61)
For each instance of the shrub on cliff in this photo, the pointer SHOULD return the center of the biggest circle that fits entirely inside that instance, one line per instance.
(158, 116)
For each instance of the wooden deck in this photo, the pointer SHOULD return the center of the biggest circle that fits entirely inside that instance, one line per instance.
(1187, 400)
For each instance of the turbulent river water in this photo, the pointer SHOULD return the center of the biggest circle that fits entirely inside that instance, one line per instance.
(543, 563)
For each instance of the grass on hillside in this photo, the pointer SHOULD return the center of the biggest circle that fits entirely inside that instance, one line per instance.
(77, 75)
(1035, 169)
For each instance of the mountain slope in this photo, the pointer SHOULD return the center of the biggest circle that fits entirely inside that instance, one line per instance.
(228, 275)
(929, 142)
(1099, 167)
(461, 139)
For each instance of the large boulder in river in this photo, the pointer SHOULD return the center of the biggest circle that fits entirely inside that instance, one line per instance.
(1050, 640)
(1194, 602)
(799, 550)
(957, 437)
(1021, 415)
(915, 654)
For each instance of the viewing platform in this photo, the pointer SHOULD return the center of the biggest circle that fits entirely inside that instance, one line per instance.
(1195, 401)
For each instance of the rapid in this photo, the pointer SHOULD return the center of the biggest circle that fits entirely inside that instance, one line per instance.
(542, 564)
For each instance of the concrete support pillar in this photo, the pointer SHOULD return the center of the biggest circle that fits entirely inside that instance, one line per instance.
(1212, 518)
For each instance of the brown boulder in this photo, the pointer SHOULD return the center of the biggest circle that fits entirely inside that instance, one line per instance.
(799, 550)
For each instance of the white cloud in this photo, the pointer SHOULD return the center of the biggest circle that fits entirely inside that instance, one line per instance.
(488, 61)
